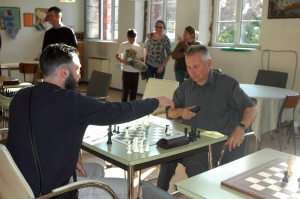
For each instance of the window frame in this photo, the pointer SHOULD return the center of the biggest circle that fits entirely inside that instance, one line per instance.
(164, 18)
(101, 21)
(238, 22)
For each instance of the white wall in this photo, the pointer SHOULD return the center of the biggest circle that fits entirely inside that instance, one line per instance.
(28, 44)
(276, 34)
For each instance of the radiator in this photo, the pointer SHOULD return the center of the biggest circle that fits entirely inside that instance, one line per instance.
(99, 64)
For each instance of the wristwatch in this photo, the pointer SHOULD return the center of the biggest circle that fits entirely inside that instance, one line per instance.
(242, 125)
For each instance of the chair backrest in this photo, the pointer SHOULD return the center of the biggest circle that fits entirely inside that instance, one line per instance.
(216, 70)
(289, 102)
(99, 84)
(160, 87)
(150, 192)
(271, 78)
(12, 182)
(29, 68)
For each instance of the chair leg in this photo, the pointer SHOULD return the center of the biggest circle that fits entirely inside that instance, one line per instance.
(272, 138)
(294, 136)
(285, 134)
(280, 138)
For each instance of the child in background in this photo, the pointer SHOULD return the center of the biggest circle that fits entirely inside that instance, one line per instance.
(129, 50)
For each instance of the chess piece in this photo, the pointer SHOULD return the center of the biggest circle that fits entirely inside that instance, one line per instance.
(168, 132)
(147, 148)
(141, 146)
(127, 133)
(289, 168)
(185, 131)
(118, 131)
(135, 146)
(129, 148)
(109, 134)
(166, 128)
(114, 131)
(147, 123)
(144, 136)
(285, 178)
(143, 126)
(198, 136)
(136, 124)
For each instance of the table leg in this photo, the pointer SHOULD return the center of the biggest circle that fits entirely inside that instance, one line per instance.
(210, 157)
(130, 179)
(139, 183)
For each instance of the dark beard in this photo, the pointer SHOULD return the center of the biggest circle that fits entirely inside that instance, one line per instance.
(71, 83)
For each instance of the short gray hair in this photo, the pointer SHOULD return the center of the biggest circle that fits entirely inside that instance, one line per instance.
(201, 49)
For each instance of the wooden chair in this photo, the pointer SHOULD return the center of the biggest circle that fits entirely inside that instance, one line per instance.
(30, 68)
(98, 86)
(271, 78)
(14, 185)
(290, 102)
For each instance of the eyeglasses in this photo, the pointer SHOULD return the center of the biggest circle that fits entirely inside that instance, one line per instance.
(159, 27)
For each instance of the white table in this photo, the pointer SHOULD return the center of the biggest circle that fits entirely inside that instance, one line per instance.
(117, 152)
(269, 102)
(208, 184)
(10, 67)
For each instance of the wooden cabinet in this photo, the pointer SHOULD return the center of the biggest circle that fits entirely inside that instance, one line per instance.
(81, 56)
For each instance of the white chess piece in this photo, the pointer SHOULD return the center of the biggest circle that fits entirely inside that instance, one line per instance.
(129, 148)
(147, 121)
(144, 136)
(127, 134)
(147, 148)
(289, 168)
(136, 147)
(141, 146)
(136, 124)
(168, 131)
(143, 126)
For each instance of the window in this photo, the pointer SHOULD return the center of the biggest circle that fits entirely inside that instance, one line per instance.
(165, 10)
(101, 19)
(237, 22)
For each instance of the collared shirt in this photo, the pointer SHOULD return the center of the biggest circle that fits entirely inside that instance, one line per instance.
(222, 102)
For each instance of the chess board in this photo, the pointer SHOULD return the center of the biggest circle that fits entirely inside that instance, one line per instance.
(153, 133)
(265, 181)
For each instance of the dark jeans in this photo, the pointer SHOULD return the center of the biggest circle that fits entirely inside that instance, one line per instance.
(152, 72)
(179, 75)
(130, 83)
(196, 164)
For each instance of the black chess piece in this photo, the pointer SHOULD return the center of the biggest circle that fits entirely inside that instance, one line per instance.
(198, 136)
(285, 178)
(185, 131)
(109, 134)
(118, 131)
(167, 126)
(114, 131)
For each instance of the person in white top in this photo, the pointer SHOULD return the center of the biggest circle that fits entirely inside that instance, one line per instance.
(129, 50)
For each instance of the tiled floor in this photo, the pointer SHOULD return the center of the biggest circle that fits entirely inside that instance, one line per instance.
(180, 172)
